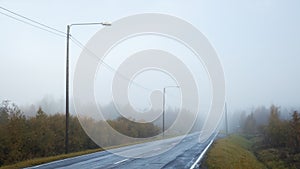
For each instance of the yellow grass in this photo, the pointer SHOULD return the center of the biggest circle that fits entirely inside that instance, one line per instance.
(232, 152)
(38, 161)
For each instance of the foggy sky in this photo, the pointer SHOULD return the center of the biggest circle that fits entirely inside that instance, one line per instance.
(257, 41)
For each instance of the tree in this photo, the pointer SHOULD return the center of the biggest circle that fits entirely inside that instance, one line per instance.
(4, 109)
(277, 129)
(43, 135)
(250, 125)
(295, 132)
(41, 114)
(17, 127)
(134, 129)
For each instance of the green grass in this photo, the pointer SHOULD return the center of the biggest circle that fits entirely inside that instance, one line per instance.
(232, 152)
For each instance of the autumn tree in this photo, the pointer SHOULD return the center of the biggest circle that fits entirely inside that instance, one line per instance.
(295, 132)
(276, 131)
(43, 135)
(249, 125)
(134, 129)
(4, 112)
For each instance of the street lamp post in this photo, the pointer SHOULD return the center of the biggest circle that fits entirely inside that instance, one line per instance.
(226, 119)
(164, 100)
(67, 77)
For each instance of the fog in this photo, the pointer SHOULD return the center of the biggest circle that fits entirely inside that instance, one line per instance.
(257, 43)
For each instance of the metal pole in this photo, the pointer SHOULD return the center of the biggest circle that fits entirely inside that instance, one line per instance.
(164, 92)
(226, 119)
(67, 79)
(164, 102)
(67, 93)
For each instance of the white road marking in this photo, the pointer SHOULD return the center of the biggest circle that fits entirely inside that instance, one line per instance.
(203, 152)
(121, 161)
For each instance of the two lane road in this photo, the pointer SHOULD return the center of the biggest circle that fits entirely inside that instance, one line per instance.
(182, 155)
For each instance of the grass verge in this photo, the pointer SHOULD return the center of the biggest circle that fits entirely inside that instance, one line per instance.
(38, 161)
(232, 152)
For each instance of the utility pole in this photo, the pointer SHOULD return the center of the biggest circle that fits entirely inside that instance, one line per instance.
(67, 93)
(226, 119)
(67, 77)
(164, 102)
(164, 98)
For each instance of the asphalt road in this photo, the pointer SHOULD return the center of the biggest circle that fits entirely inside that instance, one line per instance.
(182, 155)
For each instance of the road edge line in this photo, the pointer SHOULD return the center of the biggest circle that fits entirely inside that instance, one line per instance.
(203, 152)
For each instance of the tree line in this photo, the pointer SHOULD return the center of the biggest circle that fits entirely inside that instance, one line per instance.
(43, 135)
(278, 140)
(277, 132)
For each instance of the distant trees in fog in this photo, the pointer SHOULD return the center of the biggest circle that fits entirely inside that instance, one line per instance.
(276, 132)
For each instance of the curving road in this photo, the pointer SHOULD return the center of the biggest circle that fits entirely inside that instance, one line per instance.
(182, 155)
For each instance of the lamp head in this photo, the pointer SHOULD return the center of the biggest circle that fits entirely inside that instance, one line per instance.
(106, 23)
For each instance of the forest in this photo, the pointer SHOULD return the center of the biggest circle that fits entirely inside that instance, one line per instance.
(277, 142)
(43, 135)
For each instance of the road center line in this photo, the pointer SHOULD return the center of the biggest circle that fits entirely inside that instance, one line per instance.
(121, 161)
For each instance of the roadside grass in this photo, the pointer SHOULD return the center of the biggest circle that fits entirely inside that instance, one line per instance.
(232, 152)
(43, 160)
(38, 161)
